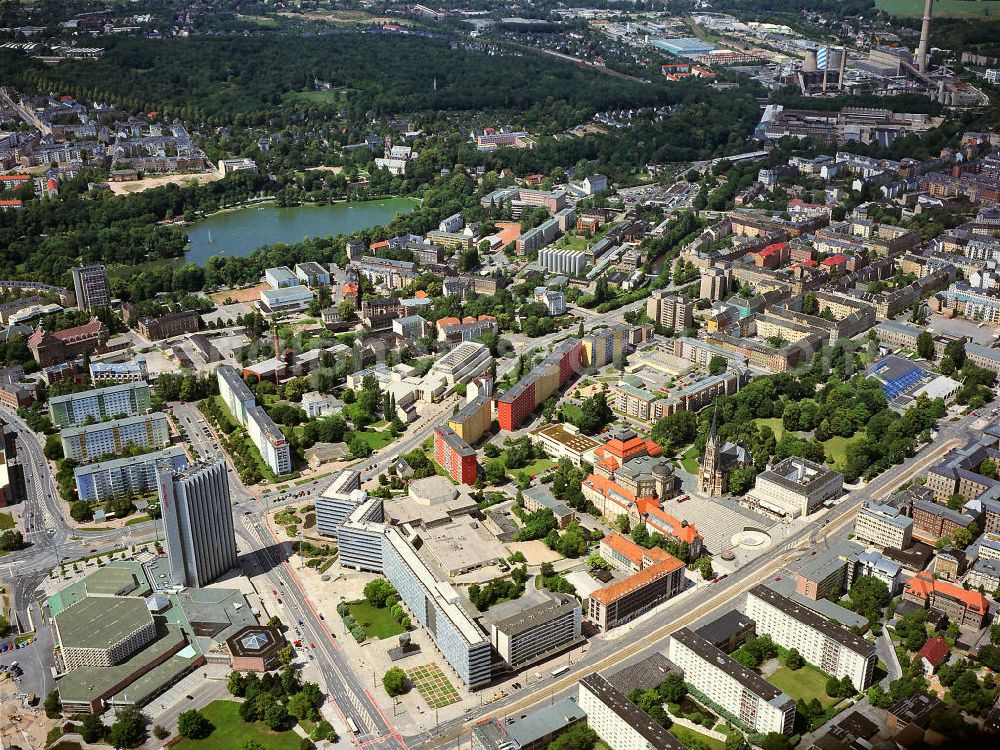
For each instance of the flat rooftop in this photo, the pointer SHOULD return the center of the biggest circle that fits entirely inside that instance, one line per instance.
(556, 606)
(100, 621)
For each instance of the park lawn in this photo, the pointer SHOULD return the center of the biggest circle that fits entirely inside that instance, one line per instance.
(333, 96)
(231, 731)
(690, 736)
(6, 521)
(806, 683)
(378, 623)
(942, 8)
(535, 467)
(572, 412)
(689, 460)
(836, 448)
(376, 440)
(775, 423)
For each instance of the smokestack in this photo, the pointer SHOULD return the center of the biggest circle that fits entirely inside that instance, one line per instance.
(843, 68)
(925, 32)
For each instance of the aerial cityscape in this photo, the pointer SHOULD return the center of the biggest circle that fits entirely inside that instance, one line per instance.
(514, 375)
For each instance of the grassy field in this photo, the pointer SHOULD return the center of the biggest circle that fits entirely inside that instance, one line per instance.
(806, 683)
(315, 97)
(376, 440)
(836, 448)
(776, 425)
(572, 411)
(6, 521)
(689, 460)
(535, 467)
(942, 8)
(378, 623)
(689, 737)
(231, 732)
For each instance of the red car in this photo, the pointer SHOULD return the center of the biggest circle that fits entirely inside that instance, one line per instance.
(312, 646)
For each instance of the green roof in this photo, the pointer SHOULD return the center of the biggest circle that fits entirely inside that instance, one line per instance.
(112, 581)
(100, 621)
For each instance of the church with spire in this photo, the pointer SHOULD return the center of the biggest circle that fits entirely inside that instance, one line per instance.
(718, 462)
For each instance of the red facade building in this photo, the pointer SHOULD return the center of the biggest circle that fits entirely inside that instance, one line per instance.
(455, 456)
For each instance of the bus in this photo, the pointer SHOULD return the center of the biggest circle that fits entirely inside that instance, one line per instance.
(352, 725)
(560, 670)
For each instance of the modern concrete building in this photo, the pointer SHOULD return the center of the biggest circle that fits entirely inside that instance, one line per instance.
(454, 455)
(281, 277)
(104, 438)
(563, 440)
(743, 693)
(882, 525)
(831, 647)
(99, 404)
(265, 434)
(101, 631)
(621, 724)
(286, 299)
(623, 601)
(91, 287)
(132, 474)
(562, 260)
(533, 730)
(198, 523)
(604, 346)
(118, 372)
(794, 487)
(338, 501)
(536, 633)
(515, 404)
(312, 274)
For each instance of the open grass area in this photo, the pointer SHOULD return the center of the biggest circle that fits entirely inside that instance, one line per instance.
(378, 623)
(433, 685)
(836, 448)
(231, 732)
(692, 738)
(942, 8)
(315, 97)
(572, 412)
(376, 440)
(689, 460)
(535, 467)
(6, 521)
(805, 683)
(776, 425)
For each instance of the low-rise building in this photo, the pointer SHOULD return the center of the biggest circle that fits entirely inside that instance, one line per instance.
(561, 440)
(965, 607)
(169, 325)
(794, 487)
(287, 299)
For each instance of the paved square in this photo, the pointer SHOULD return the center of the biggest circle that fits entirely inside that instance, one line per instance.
(433, 685)
(717, 519)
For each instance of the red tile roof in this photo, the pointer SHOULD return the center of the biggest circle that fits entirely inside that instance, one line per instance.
(615, 591)
(659, 518)
(923, 585)
(625, 547)
(935, 651)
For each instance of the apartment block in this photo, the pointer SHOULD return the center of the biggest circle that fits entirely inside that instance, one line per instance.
(536, 633)
(518, 402)
(604, 346)
(670, 310)
(104, 438)
(91, 287)
(99, 404)
(562, 260)
(883, 526)
(454, 455)
(474, 419)
(620, 723)
(833, 648)
(743, 693)
(119, 476)
(263, 432)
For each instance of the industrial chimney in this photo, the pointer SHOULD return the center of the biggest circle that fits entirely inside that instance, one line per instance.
(925, 32)
(843, 68)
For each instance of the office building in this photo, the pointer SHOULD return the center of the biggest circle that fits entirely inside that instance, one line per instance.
(670, 310)
(533, 730)
(91, 287)
(337, 501)
(742, 692)
(436, 606)
(454, 455)
(882, 526)
(88, 442)
(198, 523)
(359, 537)
(620, 723)
(167, 326)
(794, 487)
(965, 607)
(623, 601)
(131, 475)
(831, 647)
(265, 434)
(536, 633)
(99, 404)
(61, 347)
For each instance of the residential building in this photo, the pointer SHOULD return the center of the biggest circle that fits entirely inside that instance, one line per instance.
(554, 300)
(134, 475)
(265, 434)
(539, 497)
(620, 723)
(740, 691)
(474, 419)
(198, 522)
(605, 346)
(553, 372)
(623, 601)
(99, 404)
(831, 647)
(88, 442)
(91, 287)
(728, 631)
(51, 348)
(965, 607)
(454, 331)
(537, 633)
(670, 310)
(454, 455)
(882, 525)
(169, 325)
(932, 521)
(874, 564)
(794, 487)
(118, 372)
